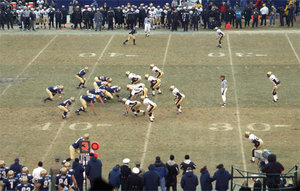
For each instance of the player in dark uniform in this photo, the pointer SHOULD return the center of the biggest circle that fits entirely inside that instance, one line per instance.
(64, 106)
(52, 91)
(25, 174)
(87, 99)
(3, 170)
(10, 183)
(103, 79)
(80, 77)
(63, 180)
(131, 36)
(71, 172)
(115, 90)
(25, 185)
(44, 182)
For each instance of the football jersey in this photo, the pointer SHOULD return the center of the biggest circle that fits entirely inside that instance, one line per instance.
(177, 93)
(221, 33)
(76, 144)
(81, 73)
(224, 84)
(71, 172)
(68, 101)
(103, 78)
(133, 31)
(158, 12)
(115, 88)
(152, 13)
(25, 187)
(148, 102)
(253, 138)
(152, 79)
(139, 85)
(100, 83)
(96, 91)
(156, 69)
(28, 176)
(45, 13)
(10, 184)
(130, 103)
(3, 172)
(63, 180)
(137, 91)
(274, 80)
(55, 89)
(45, 183)
(89, 98)
(133, 76)
(147, 20)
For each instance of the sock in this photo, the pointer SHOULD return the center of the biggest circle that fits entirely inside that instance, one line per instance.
(150, 114)
(65, 113)
(138, 111)
(178, 106)
(253, 158)
(275, 97)
(133, 110)
(133, 41)
(83, 83)
(79, 84)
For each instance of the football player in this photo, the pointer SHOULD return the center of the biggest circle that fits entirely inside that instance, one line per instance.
(220, 36)
(151, 106)
(134, 79)
(25, 174)
(152, 14)
(158, 16)
(3, 170)
(25, 185)
(276, 84)
(103, 79)
(98, 84)
(63, 180)
(133, 105)
(131, 36)
(10, 183)
(64, 106)
(81, 78)
(258, 143)
(71, 172)
(52, 91)
(132, 86)
(100, 92)
(137, 91)
(154, 84)
(157, 71)
(75, 147)
(178, 98)
(44, 182)
(224, 86)
(84, 99)
(114, 90)
(147, 23)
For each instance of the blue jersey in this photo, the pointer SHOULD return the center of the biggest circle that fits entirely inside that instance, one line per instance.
(115, 88)
(96, 92)
(133, 31)
(28, 176)
(25, 187)
(45, 183)
(3, 172)
(10, 184)
(68, 101)
(54, 89)
(89, 98)
(71, 172)
(63, 181)
(81, 73)
(103, 87)
(76, 144)
(103, 78)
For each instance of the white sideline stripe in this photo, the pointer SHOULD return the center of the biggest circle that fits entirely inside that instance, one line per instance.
(237, 105)
(293, 48)
(63, 123)
(150, 123)
(29, 64)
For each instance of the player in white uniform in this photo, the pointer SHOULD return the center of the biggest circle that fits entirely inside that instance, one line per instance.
(137, 91)
(258, 143)
(45, 13)
(151, 106)
(133, 105)
(276, 83)
(37, 13)
(147, 23)
(220, 36)
(158, 12)
(154, 84)
(157, 71)
(178, 98)
(152, 13)
(224, 86)
(134, 79)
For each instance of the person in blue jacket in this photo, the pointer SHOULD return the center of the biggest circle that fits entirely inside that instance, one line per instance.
(94, 169)
(114, 177)
(162, 171)
(205, 179)
(222, 178)
(16, 167)
(78, 173)
(151, 179)
(189, 180)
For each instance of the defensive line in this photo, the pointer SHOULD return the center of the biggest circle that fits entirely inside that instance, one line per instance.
(293, 48)
(237, 104)
(29, 64)
(150, 123)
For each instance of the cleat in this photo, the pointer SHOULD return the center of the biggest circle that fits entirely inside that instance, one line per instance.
(144, 113)
(219, 46)
(44, 100)
(159, 92)
(135, 115)
(151, 120)
(252, 161)
(63, 116)
(78, 87)
(124, 43)
(223, 105)
(77, 112)
(83, 87)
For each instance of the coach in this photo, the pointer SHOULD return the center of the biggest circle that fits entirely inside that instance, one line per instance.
(273, 170)
(94, 169)
(222, 178)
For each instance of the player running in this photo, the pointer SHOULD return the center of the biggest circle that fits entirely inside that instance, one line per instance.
(258, 143)
(133, 105)
(220, 36)
(131, 36)
(224, 86)
(52, 91)
(84, 99)
(81, 78)
(151, 106)
(64, 106)
(178, 98)
(147, 23)
(134, 79)
(154, 84)
(157, 71)
(276, 83)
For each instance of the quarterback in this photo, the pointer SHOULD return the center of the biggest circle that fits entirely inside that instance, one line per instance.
(81, 78)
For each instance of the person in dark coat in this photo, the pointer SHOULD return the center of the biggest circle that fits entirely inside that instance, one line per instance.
(187, 163)
(162, 171)
(94, 169)
(114, 177)
(64, 12)
(16, 167)
(205, 179)
(189, 180)
(119, 17)
(151, 179)
(257, 183)
(58, 18)
(174, 19)
(78, 173)
(86, 19)
(76, 17)
(110, 18)
(2, 19)
(247, 15)
(173, 171)
(134, 182)
(9, 18)
(141, 16)
(205, 18)
(125, 172)
(273, 170)
(222, 178)
(91, 15)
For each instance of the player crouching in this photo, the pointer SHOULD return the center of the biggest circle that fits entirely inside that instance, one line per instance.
(276, 83)
(52, 91)
(131, 36)
(103, 79)
(64, 106)
(100, 92)
(134, 79)
(137, 91)
(151, 106)
(220, 36)
(154, 84)
(157, 71)
(178, 98)
(133, 105)
(84, 99)
(81, 78)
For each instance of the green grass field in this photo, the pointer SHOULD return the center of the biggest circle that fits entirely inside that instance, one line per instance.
(33, 130)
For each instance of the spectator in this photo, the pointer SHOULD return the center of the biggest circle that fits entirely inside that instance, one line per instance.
(32, 19)
(40, 3)
(189, 181)
(110, 17)
(64, 13)
(205, 179)
(205, 18)
(58, 18)
(138, 165)
(151, 179)
(125, 172)
(257, 183)
(264, 12)
(162, 171)
(272, 15)
(94, 169)
(238, 17)
(78, 173)
(173, 171)
(134, 182)
(230, 15)
(255, 18)
(187, 163)
(174, 4)
(54, 170)
(114, 177)
(95, 4)
(247, 15)
(36, 173)
(245, 187)
(2, 19)
(290, 16)
(273, 170)
(222, 178)
(9, 18)
(16, 167)
(98, 18)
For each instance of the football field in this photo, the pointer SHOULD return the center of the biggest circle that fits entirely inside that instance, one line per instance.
(33, 130)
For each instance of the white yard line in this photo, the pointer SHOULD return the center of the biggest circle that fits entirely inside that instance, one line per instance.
(29, 64)
(150, 123)
(293, 48)
(237, 105)
(80, 92)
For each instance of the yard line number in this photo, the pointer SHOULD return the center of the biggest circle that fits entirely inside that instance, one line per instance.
(251, 126)
(80, 126)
